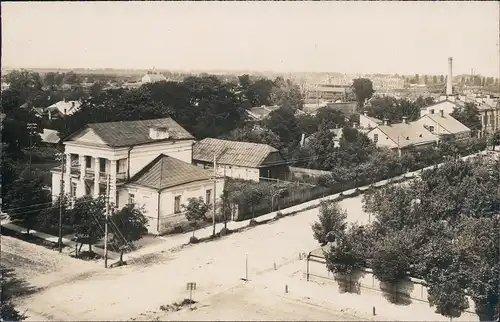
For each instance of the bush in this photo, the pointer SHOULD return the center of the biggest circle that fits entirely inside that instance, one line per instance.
(279, 215)
(225, 231)
(193, 240)
(252, 223)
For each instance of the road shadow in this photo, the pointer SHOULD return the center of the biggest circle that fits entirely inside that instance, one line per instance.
(398, 293)
(349, 283)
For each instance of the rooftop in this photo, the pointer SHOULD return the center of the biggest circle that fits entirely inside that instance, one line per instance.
(65, 107)
(449, 123)
(260, 112)
(50, 136)
(406, 134)
(244, 154)
(130, 133)
(166, 172)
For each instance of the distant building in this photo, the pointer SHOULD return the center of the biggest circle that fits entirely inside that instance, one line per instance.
(259, 113)
(240, 160)
(153, 78)
(348, 108)
(61, 108)
(444, 125)
(50, 137)
(402, 136)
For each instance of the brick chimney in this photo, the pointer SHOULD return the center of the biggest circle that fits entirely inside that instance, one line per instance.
(441, 112)
(449, 83)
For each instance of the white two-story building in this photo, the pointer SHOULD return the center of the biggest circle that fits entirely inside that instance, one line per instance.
(148, 163)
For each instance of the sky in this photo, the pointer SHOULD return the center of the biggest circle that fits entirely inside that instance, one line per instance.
(347, 37)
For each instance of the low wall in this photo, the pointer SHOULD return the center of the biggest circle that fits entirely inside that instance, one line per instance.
(301, 172)
(403, 293)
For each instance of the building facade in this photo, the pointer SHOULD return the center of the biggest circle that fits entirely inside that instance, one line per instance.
(120, 151)
(240, 160)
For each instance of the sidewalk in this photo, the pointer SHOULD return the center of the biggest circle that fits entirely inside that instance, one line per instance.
(54, 239)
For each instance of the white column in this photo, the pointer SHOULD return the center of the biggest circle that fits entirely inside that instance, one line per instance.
(97, 177)
(83, 168)
(67, 175)
(112, 182)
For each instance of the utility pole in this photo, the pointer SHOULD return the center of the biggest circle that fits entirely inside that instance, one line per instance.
(30, 127)
(106, 224)
(61, 200)
(215, 186)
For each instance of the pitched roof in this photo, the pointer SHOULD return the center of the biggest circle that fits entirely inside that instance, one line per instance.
(166, 172)
(65, 107)
(373, 119)
(261, 112)
(449, 123)
(236, 153)
(50, 136)
(406, 134)
(129, 133)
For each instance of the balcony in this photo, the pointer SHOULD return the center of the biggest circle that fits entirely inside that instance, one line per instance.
(121, 177)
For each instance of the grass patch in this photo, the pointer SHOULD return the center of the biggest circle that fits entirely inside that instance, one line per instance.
(177, 306)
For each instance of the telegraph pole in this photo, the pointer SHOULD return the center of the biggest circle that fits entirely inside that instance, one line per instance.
(61, 200)
(30, 127)
(106, 224)
(215, 186)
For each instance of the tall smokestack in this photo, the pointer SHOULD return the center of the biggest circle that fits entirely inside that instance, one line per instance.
(449, 83)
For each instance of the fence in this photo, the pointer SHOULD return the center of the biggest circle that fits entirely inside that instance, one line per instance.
(402, 292)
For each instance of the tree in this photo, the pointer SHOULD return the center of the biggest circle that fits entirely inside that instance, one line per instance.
(255, 134)
(469, 116)
(434, 79)
(330, 118)
(128, 225)
(284, 123)
(25, 82)
(253, 197)
(308, 124)
(287, 94)
(363, 89)
(195, 210)
(441, 78)
(25, 198)
(494, 139)
(331, 222)
(347, 254)
(87, 219)
(448, 297)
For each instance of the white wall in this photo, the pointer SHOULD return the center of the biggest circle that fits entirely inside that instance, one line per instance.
(239, 172)
(142, 155)
(383, 140)
(148, 199)
(235, 172)
(447, 107)
(438, 129)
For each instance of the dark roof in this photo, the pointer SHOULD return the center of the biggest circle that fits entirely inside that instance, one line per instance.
(166, 172)
(130, 133)
(244, 154)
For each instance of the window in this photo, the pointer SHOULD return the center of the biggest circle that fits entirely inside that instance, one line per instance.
(131, 199)
(102, 165)
(87, 189)
(375, 138)
(208, 196)
(88, 162)
(177, 204)
(431, 128)
(73, 189)
(102, 190)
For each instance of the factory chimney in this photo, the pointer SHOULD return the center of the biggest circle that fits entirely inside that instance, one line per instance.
(449, 83)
